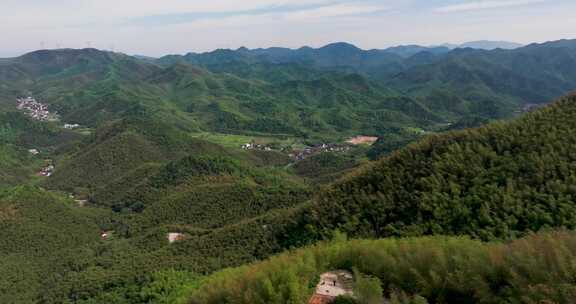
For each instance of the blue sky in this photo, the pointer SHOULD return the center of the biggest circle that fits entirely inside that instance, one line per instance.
(157, 27)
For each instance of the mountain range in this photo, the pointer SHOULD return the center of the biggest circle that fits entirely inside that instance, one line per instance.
(485, 45)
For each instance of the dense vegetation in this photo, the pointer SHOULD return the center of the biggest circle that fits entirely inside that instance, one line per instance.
(325, 167)
(18, 134)
(536, 269)
(494, 182)
(38, 228)
(91, 87)
(331, 92)
(15, 165)
(450, 83)
(159, 152)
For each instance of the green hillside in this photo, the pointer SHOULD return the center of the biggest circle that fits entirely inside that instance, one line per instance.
(495, 182)
(18, 134)
(15, 165)
(187, 165)
(38, 228)
(91, 87)
(494, 83)
(535, 269)
(121, 147)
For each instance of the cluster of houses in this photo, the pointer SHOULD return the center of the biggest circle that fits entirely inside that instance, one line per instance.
(298, 155)
(71, 126)
(34, 109)
(254, 146)
(311, 151)
(39, 111)
(47, 170)
(333, 284)
(34, 151)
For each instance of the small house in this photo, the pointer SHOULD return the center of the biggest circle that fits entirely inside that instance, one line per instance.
(174, 237)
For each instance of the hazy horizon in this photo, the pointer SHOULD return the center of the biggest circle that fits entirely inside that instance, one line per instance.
(293, 48)
(152, 28)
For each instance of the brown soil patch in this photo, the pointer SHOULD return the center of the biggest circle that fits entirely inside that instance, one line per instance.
(361, 140)
(8, 213)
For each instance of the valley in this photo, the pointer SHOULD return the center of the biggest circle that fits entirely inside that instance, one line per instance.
(153, 180)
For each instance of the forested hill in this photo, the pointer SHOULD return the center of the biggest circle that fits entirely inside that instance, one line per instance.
(495, 182)
(532, 74)
(328, 92)
(405, 271)
(492, 83)
(92, 87)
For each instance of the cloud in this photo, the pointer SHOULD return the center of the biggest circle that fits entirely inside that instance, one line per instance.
(489, 4)
(295, 11)
(70, 11)
(337, 10)
(192, 16)
(130, 8)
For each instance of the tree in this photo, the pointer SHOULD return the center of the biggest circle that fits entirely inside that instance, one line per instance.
(368, 289)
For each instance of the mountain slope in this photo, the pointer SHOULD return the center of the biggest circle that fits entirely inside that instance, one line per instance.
(410, 271)
(496, 82)
(494, 182)
(490, 45)
(121, 147)
(339, 56)
(477, 80)
(91, 88)
(38, 228)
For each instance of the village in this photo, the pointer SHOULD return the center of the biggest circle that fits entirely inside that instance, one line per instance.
(40, 112)
(298, 155)
(35, 109)
(47, 170)
(317, 149)
(301, 154)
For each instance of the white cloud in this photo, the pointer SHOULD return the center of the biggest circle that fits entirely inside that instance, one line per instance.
(489, 4)
(130, 8)
(68, 12)
(337, 10)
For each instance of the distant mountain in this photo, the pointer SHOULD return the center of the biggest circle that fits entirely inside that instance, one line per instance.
(407, 51)
(493, 83)
(219, 90)
(237, 93)
(339, 56)
(491, 45)
(484, 45)
(467, 80)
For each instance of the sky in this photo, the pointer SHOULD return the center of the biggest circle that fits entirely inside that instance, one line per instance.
(159, 27)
